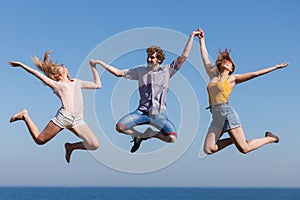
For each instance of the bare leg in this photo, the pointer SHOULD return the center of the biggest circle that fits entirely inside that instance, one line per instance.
(222, 143)
(131, 132)
(90, 141)
(165, 138)
(149, 133)
(213, 143)
(244, 146)
(39, 137)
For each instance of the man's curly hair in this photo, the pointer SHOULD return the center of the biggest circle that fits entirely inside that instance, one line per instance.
(160, 55)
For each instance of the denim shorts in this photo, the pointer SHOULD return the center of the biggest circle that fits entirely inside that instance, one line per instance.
(159, 121)
(64, 119)
(224, 118)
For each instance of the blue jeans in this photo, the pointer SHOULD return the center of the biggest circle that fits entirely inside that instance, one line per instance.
(159, 121)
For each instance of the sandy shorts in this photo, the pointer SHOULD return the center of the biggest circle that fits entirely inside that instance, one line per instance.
(64, 119)
(224, 118)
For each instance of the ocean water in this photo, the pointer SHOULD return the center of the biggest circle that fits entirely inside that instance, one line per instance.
(146, 193)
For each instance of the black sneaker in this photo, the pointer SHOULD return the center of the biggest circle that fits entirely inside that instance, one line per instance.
(137, 142)
(136, 145)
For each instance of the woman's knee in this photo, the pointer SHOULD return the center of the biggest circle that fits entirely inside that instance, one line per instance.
(209, 149)
(243, 150)
(93, 145)
(40, 141)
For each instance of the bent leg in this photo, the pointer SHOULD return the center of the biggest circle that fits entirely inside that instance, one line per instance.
(213, 143)
(90, 141)
(127, 131)
(245, 146)
(167, 129)
(165, 138)
(128, 122)
(39, 137)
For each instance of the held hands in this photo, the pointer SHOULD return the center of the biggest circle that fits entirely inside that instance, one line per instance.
(93, 63)
(201, 33)
(195, 33)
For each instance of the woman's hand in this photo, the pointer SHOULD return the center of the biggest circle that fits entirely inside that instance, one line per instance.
(201, 33)
(15, 64)
(282, 65)
(195, 33)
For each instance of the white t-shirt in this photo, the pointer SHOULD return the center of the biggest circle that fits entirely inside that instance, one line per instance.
(69, 93)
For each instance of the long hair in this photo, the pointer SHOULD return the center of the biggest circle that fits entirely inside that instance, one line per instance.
(224, 55)
(46, 66)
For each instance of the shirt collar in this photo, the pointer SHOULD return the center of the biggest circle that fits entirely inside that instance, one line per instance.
(158, 69)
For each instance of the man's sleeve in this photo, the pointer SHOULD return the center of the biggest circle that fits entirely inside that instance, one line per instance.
(131, 74)
(173, 67)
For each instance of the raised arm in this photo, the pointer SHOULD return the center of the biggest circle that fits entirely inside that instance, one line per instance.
(111, 69)
(97, 82)
(34, 72)
(240, 78)
(187, 49)
(204, 55)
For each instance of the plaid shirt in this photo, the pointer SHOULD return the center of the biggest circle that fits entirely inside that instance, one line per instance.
(153, 86)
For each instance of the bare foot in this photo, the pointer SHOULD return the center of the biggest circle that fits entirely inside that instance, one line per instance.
(275, 138)
(19, 116)
(68, 152)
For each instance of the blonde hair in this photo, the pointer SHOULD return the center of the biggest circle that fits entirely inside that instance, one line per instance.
(224, 55)
(47, 66)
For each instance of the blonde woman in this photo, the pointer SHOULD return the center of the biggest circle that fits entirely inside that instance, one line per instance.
(70, 115)
(224, 117)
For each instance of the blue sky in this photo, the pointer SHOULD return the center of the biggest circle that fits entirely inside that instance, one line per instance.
(260, 34)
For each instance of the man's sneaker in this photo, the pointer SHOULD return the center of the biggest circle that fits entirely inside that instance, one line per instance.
(148, 133)
(136, 145)
(137, 142)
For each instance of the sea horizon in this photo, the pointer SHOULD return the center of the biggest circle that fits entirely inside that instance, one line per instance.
(146, 193)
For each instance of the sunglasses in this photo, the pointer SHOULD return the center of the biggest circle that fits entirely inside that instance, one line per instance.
(153, 57)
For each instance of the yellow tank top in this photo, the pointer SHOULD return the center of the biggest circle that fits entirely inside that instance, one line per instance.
(218, 92)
